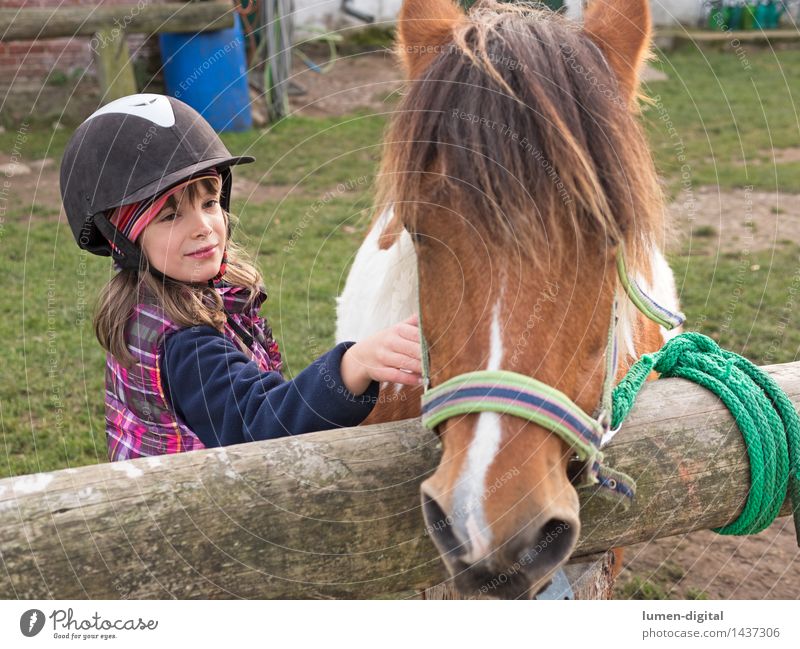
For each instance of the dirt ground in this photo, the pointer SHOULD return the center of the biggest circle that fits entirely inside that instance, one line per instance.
(733, 220)
(707, 564)
(359, 81)
(700, 564)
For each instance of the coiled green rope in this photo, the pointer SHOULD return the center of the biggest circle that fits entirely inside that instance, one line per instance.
(765, 416)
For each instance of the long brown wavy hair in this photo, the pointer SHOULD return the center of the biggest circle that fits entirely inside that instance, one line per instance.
(184, 304)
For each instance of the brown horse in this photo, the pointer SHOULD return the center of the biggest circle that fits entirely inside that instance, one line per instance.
(514, 172)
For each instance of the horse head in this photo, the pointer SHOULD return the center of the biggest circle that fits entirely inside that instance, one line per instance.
(516, 163)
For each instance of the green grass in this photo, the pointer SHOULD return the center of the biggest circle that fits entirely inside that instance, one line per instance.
(27, 140)
(705, 231)
(663, 583)
(726, 119)
(747, 302)
(638, 588)
(305, 243)
(312, 154)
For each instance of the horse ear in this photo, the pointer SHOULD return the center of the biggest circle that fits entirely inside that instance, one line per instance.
(423, 27)
(622, 30)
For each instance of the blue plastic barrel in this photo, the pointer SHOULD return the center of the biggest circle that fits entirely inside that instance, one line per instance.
(208, 71)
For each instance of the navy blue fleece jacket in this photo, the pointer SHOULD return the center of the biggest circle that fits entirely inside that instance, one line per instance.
(225, 398)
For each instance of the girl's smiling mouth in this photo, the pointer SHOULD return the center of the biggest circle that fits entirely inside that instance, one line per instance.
(202, 253)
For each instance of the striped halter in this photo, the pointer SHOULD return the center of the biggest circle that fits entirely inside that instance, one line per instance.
(523, 396)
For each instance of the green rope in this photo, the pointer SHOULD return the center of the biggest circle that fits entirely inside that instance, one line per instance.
(764, 414)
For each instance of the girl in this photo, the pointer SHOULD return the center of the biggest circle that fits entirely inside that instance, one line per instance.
(190, 364)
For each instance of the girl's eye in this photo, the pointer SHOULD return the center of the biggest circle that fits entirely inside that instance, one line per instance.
(210, 204)
(168, 217)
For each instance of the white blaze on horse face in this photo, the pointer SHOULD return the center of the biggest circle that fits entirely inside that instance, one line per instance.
(469, 518)
(381, 288)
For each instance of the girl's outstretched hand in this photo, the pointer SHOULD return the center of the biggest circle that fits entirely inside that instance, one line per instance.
(393, 355)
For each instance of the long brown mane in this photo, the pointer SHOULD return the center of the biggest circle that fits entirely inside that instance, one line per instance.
(518, 124)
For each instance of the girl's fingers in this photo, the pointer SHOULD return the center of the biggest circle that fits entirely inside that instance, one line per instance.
(407, 347)
(409, 332)
(393, 360)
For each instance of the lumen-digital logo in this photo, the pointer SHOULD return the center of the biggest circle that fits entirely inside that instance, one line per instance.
(31, 622)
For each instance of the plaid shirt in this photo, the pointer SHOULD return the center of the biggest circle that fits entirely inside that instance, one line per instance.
(139, 418)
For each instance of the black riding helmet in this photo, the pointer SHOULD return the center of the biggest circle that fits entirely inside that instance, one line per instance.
(129, 150)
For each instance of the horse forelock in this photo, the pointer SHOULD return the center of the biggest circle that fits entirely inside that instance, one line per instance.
(518, 127)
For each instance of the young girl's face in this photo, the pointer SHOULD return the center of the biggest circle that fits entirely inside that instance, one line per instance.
(186, 239)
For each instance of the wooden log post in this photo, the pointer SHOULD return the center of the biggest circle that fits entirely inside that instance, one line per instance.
(336, 513)
(114, 68)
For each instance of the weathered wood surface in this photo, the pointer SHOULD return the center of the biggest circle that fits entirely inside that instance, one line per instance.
(333, 514)
(114, 67)
(32, 24)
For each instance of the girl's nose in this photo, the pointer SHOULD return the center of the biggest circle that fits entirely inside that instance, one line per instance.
(201, 221)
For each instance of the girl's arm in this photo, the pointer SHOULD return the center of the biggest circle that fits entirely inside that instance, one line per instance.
(225, 398)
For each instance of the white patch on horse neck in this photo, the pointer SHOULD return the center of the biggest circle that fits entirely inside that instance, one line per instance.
(381, 288)
(470, 491)
(626, 312)
(662, 291)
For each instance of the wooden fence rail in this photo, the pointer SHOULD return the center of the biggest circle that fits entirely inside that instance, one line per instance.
(336, 513)
(34, 24)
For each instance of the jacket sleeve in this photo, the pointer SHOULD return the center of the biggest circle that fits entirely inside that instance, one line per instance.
(225, 398)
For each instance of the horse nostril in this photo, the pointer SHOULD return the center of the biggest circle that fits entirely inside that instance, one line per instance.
(440, 528)
(553, 543)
